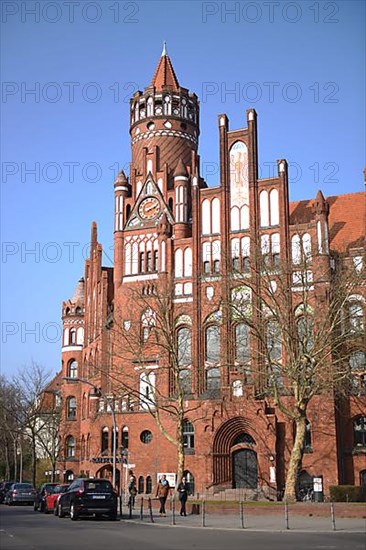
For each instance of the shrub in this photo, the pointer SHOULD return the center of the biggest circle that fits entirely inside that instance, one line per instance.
(347, 493)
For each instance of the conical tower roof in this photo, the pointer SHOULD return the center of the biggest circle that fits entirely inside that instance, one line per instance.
(164, 76)
(78, 296)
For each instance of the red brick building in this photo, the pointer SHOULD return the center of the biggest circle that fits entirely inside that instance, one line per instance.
(170, 228)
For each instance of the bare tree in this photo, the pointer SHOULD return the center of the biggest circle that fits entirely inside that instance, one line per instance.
(37, 419)
(152, 333)
(302, 328)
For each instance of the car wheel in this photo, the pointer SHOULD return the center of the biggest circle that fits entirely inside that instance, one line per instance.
(73, 512)
(35, 507)
(61, 513)
(55, 510)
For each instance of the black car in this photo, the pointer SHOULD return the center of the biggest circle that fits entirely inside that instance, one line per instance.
(40, 500)
(88, 497)
(4, 488)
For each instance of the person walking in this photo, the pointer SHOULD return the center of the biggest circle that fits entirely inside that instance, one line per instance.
(132, 490)
(162, 492)
(182, 489)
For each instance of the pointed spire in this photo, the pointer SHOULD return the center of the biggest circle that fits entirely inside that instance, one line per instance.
(180, 170)
(121, 179)
(164, 75)
(79, 292)
(94, 235)
(320, 206)
(320, 196)
(164, 52)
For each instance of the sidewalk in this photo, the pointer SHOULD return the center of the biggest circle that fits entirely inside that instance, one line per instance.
(265, 519)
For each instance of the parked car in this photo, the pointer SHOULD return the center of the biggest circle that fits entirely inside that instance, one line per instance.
(87, 497)
(52, 499)
(40, 500)
(20, 493)
(4, 488)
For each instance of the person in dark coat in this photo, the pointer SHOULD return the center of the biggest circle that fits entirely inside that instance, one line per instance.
(162, 492)
(182, 489)
(132, 490)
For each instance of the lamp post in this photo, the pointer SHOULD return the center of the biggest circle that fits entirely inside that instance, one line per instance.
(97, 394)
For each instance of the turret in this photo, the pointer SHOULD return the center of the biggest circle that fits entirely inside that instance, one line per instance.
(164, 125)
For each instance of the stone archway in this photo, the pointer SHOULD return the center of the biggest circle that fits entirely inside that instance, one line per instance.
(232, 433)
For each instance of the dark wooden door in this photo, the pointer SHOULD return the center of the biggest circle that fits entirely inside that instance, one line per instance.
(245, 469)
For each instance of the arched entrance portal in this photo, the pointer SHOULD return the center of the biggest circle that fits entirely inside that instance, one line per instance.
(234, 458)
(245, 469)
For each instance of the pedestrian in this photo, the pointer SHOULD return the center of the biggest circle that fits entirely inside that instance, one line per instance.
(162, 492)
(182, 489)
(132, 490)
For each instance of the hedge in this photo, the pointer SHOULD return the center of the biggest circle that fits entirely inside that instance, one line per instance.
(347, 493)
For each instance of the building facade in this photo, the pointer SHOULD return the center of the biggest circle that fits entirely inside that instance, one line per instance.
(159, 318)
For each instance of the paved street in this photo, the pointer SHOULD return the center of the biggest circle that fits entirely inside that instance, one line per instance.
(23, 529)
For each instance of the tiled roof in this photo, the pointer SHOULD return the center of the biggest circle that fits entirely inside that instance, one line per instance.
(347, 219)
(165, 75)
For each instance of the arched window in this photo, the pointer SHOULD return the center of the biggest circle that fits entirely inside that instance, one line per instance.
(140, 485)
(104, 440)
(264, 213)
(72, 337)
(148, 485)
(206, 217)
(274, 340)
(185, 381)
(244, 438)
(178, 263)
(273, 207)
(71, 408)
(212, 344)
(357, 364)
(188, 435)
(72, 370)
(148, 322)
(70, 447)
(305, 335)
(188, 262)
(308, 447)
(359, 432)
(216, 217)
(124, 439)
(184, 346)
(242, 342)
(147, 390)
(237, 388)
(355, 316)
(213, 379)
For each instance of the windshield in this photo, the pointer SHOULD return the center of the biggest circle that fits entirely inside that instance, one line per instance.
(98, 486)
(61, 488)
(23, 486)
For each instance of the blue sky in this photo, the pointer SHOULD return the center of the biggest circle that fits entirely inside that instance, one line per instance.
(301, 65)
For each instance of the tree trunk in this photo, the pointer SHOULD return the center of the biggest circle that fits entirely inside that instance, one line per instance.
(15, 460)
(294, 466)
(7, 461)
(34, 461)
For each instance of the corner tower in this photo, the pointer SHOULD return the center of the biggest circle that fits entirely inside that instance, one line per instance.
(164, 127)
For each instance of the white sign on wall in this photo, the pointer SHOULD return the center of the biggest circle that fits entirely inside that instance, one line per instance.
(171, 478)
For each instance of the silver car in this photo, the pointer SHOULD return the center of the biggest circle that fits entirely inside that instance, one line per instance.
(20, 493)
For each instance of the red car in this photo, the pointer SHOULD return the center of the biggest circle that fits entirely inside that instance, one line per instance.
(52, 499)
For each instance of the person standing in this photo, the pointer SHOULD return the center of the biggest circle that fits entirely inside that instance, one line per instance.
(162, 492)
(182, 489)
(132, 490)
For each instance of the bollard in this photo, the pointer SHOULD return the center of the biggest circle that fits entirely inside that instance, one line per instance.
(173, 510)
(286, 515)
(332, 515)
(142, 509)
(130, 508)
(203, 513)
(242, 514)
(150, 510)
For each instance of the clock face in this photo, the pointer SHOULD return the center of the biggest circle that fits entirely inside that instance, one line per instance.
(149, 208)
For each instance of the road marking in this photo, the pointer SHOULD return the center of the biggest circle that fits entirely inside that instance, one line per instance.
(7, 533)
